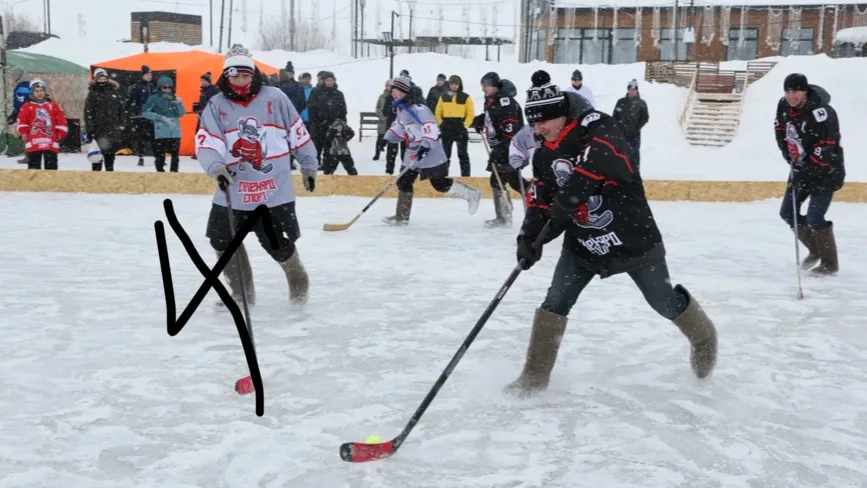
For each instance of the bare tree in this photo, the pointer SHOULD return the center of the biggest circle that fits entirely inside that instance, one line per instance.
(308, 37)
(14, 22)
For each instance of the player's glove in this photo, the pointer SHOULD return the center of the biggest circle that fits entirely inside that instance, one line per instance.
(308, 177)
(527, 254)
(219, 172)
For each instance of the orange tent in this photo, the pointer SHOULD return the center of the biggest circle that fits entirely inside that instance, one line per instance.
(184, 68)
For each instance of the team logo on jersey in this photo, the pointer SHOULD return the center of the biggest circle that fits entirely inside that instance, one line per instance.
(562, 171)
(793, 143)
(250, 147)
(587, 217)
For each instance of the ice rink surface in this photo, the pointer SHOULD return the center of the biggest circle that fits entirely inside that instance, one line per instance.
(97, 394)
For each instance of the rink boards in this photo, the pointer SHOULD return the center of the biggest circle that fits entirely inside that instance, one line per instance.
(368, 186)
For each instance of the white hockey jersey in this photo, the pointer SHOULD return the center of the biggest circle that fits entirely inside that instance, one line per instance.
(254, 142)
(417, 127)
(523, 147)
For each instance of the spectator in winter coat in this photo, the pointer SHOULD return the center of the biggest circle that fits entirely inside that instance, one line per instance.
(42, 125)
(20, 95)
(292, 89)
(136, 98)
(206, 91)
(165, 109)
(455, 114)
(339, 134)
(308, 88)
(104, 117)
(326, 105)
(382, 124)
(580, 88)
(631, 115)
(435, 92)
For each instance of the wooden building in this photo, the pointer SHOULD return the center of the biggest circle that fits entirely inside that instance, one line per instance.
(148, 27)
(689, 32)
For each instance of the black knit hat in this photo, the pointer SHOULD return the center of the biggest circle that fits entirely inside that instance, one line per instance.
(207, 77)
(577, 76)
(544, 99)
(441, 77)
(796, 82)
(289, 68)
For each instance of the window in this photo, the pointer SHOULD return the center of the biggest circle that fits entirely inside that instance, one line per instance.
(595, 52)
(667, 46)
(797, 42)
(623, 49)
(567, 46)
(746, 50)
(537, 45)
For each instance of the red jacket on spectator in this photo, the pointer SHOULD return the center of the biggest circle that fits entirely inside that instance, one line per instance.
(42, 125)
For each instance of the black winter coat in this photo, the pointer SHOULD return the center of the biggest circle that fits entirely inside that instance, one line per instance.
(433, 96)
(809, 139)
(631, 115)
(326, 105)
(589, 172)
(205, 94)
(295, 91)
(104, 111)
(138, 95)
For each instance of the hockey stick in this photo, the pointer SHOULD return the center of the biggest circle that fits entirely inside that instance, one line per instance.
(497, 173)
(244, 385)
(337, 227)
(359, 452)
(795, 232)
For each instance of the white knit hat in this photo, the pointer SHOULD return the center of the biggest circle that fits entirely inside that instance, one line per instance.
(238, 60)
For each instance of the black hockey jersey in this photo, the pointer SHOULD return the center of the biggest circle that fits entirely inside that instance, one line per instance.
(612, 228)
(809, 137)
(502, 118)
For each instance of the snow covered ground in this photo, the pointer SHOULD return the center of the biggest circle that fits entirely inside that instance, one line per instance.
(98, 395)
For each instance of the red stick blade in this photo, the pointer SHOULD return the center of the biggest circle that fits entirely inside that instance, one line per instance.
(244, 386)
(359, 452)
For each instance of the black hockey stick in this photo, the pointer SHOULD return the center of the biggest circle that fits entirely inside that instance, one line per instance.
(244, 385)
(359, 452)
(339, 227)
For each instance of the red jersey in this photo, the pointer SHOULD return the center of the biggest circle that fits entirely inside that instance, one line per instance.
(42, 125)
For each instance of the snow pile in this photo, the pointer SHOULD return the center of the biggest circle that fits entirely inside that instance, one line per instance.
(753, 155)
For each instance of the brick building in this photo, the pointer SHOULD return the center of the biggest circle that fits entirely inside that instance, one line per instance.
(707, 32)
(166, 27)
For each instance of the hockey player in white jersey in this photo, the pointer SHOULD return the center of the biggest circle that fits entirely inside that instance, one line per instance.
(416, 126)
(522, 147)
(247, 134)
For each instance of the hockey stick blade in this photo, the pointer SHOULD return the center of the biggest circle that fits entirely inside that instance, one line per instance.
(359, 452)
(338, 227)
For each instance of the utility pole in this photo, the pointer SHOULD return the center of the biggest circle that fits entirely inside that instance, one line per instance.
(292, 25)
(211, 19)
(231, 11)
(361, 44)
(48, 14)
(391, 46)
(222, 14)
(674, 34)
(3, 62)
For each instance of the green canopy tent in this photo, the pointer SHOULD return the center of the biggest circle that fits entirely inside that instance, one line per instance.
(67, 83)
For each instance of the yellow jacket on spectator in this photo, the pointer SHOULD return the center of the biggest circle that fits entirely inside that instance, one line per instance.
(455, 105)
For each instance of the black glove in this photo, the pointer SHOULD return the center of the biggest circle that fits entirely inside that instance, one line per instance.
(527, 255)
(88, 138)
(478, 123)
(11, 120)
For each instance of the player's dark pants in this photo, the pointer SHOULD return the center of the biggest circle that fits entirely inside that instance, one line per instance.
(170, 146)
(820, 201)
(391, 155)
(570, 278)
(510, 178)
(284, 221)
(329, 164)
(635, 142)
(34, 159)
(438, 176)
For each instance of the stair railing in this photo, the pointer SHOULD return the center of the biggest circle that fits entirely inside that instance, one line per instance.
(689, 98)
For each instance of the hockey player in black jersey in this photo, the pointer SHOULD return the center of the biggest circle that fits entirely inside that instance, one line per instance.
(808, 134)
(585, 184)
(499, 123)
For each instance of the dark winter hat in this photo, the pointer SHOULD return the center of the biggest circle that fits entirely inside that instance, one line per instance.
(544, 99)
(577, 76)
(238, 60)
(441, 77)
(491, 79)
(289, 67)
(305, 76)
(207, 76)
(328, 75)
(145, 69)
(796, 82)
(402, 83)
(320, 74)
(404, 72)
